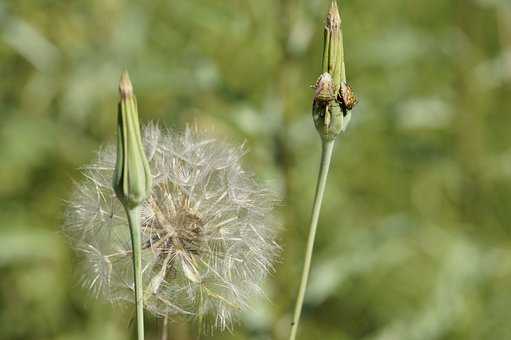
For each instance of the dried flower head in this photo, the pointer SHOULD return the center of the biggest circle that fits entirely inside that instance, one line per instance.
(208, 234)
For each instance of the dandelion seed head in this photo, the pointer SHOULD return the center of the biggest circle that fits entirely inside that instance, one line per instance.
(208, 232)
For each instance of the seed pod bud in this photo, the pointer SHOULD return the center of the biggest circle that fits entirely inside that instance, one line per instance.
(333, 97)
(132, 177)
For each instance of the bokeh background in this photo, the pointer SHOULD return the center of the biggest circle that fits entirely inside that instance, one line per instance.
(414, 240)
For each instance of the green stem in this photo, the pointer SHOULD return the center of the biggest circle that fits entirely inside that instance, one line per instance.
(135, 230)
(164, 329)
(326, 156)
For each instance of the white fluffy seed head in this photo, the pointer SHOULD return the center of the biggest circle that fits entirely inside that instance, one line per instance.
(208, 233)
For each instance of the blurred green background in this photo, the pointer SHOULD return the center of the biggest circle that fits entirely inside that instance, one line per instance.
(414, 240)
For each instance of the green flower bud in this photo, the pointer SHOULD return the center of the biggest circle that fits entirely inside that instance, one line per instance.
(333, 97)
(333, 55)
(132, 177)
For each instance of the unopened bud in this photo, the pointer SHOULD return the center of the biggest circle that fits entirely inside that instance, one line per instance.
(333, 97)
(132, 177)
(333, 58)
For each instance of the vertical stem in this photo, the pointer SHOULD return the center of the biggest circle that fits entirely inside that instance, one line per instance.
(326, 155)
(135, 230)
(164, 328)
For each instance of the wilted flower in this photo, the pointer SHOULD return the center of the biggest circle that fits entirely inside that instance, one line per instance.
(208, 234)
(331, 105)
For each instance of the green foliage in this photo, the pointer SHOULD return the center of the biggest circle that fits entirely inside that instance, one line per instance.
(414, 236)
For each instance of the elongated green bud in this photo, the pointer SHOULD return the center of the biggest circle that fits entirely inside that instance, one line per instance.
(333, 54)
(132, 177)
(333, 98)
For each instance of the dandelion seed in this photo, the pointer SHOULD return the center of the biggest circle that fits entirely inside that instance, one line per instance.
(208, 233)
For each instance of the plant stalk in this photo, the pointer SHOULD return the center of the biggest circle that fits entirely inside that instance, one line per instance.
(135, 231)
(164, 330)
(326, 156)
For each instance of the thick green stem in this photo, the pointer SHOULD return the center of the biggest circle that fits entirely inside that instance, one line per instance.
(326, 156)
(135, 230)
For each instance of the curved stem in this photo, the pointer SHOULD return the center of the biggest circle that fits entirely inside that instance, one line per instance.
(135, 230)
(326, 155)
